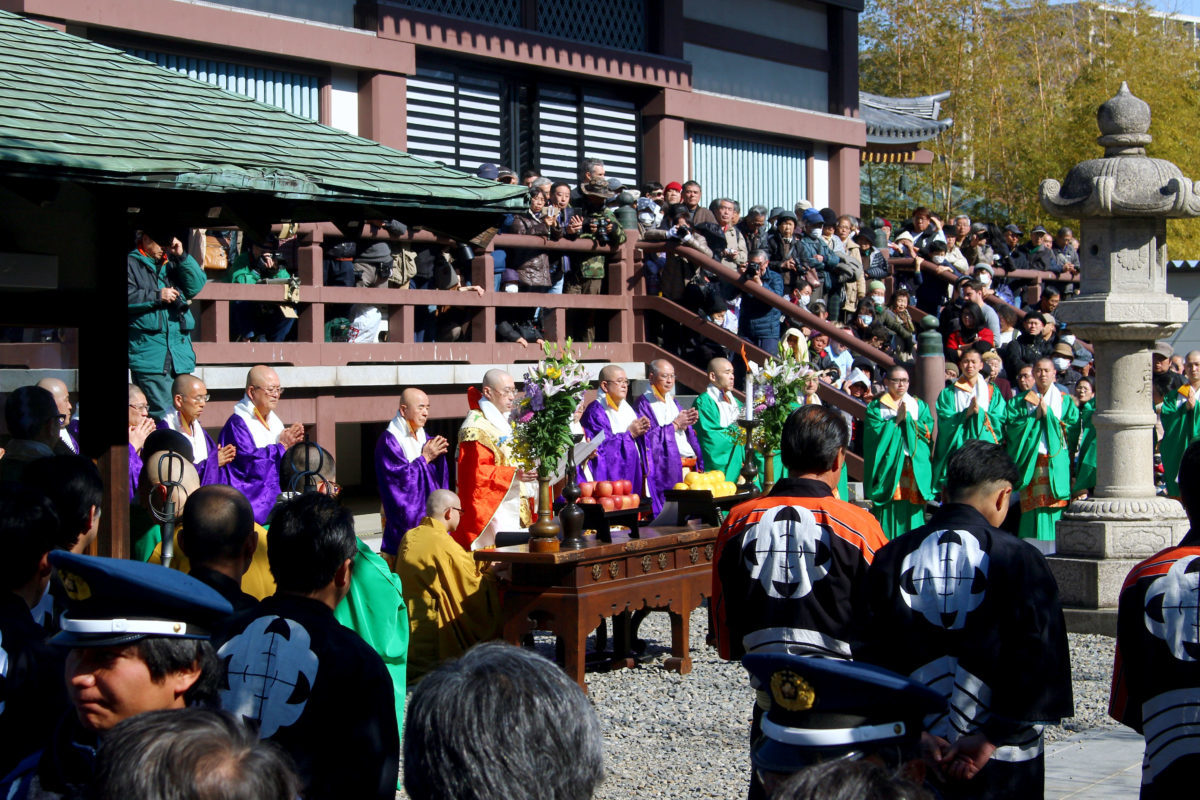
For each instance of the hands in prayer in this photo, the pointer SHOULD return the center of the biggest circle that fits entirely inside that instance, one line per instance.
(686, 417)
(292, 435)
(973, 409)
(139, 432)
(638, 427)
(435, 447)
(226, 454)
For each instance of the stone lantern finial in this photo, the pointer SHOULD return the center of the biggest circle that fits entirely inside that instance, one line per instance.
(1124, 123)
(1126, 182)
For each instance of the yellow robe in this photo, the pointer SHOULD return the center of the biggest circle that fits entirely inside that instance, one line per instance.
(257, 582)
(452, 602)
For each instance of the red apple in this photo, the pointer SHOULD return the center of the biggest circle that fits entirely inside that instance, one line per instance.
(608, 503)
(586, 488)
(588, 500)
(604, 489)
(626, 487)
(635, 501)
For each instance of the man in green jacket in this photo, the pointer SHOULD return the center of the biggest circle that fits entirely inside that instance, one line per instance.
(162, 280)
(260, 321)
(898, 477)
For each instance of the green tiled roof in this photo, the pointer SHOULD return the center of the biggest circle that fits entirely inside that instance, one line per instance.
(74, 109)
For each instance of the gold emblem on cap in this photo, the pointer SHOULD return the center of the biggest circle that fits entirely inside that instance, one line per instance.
(791, 692)
(177, 627)
(77, 588)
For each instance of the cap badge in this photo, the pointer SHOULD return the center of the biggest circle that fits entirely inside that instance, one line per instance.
(77, 588)
(791, 692)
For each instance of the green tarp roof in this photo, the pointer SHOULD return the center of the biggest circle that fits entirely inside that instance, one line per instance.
(73, 109)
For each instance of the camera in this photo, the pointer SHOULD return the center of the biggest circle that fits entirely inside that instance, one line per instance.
(268, 269)
(597, 226)
(751, 269)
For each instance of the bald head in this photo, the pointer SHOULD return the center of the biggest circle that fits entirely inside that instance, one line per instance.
(1191, 367)
(183, 384)
(720, 372)
(661, 365)
(414, 407)
(62, 397)
(499, 389)
(189, 395)
(263, 388)
(157, 470)
(494, 379)
(444, 505)
(614, 383)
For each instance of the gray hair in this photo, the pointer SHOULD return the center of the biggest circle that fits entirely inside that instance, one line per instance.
(190, 754)
(588, 164)
(757, 211)
(754, 254)
(491, 722)
(962, 216)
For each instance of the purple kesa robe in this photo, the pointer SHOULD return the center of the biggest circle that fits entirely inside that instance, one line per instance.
(254, 471)
(135, 472)
(405, 484)
(660, 446)
(206, 467)
(618, 457)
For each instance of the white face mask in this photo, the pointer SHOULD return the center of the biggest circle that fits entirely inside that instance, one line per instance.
(939, 259)
(984, 278)
(865, 319)
(878, 299)
(511, 288)
(804, 299)
(1068, 338)
(1061, 364)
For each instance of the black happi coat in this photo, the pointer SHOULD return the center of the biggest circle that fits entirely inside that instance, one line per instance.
(1156, 680)
(33, 696)
(973, 612)
(318, 691)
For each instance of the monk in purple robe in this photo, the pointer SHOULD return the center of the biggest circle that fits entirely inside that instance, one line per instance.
(409, 466)
(189, 395)
(618, 457)
(260, 439)
(670, 444)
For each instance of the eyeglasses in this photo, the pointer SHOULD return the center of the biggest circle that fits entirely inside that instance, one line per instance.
(137, 407)
(277, 391)
(456, 508)
(619, 382)
(204, 398)
(897, 380)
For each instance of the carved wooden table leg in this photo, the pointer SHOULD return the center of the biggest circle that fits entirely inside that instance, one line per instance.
(574, 641)
(622, 658)
(681, 656)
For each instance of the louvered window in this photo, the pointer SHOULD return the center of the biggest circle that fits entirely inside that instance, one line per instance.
(749, 172)
(291, 91)
(573, 125)
(456, 119)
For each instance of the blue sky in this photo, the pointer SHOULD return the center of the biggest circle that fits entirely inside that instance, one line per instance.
(1188, 7)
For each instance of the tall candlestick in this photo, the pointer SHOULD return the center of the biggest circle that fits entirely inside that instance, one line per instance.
(749, 396)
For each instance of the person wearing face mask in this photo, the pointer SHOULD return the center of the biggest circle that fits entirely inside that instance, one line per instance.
(874, 257)
(1085, 458)
(802, 296)
(986, 275)
(1067, 376)
(841, 355)
(933, 292)
(864, 317)
(898, 319)
(1041, 426)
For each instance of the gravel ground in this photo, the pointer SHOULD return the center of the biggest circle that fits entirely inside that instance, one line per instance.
(672, 736)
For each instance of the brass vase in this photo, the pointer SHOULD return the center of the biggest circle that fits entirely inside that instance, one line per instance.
(543, 534)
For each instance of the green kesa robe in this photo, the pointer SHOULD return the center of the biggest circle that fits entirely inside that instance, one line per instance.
(897, 469)
(1044, 492)
(955, 426)
(1085, 456)
(720, 444)
(1181, 427)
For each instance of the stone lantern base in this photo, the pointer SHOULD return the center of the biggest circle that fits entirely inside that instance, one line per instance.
(1098, 541)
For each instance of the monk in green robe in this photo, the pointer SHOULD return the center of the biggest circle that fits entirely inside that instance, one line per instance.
(721, 438)
(1041, 424)
(897, 473)
(1180, 421)
(1085, 456)
(970, 408)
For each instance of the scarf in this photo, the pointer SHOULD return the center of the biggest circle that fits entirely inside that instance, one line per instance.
(619, 418)
(888, 411)
(727, 405)
(1053, 399)
(264, 435)
(962, 394)
(410, 442)
(196, 436)
(493, 415)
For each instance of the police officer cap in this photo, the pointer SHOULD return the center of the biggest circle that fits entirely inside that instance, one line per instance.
(813, 217)
(113, 601)
(819, 709)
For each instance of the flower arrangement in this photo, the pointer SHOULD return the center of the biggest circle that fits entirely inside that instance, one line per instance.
(778, 386)
(554, 389)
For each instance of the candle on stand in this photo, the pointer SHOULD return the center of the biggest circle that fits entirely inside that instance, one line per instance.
(749, 396)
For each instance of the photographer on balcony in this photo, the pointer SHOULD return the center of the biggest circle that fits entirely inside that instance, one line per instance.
(162, 280)
(758, 322)
(260, 261)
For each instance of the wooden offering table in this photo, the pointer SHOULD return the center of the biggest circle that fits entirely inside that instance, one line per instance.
(571, 591)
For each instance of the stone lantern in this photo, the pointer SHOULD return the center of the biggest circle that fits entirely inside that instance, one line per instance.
(1123, 201)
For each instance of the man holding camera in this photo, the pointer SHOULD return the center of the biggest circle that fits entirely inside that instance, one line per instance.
(759, 322)
(162, 281)
(260, 262)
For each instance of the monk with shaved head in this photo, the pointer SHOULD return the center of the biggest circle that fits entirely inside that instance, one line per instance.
(717, 412)
(189, 395)
(62, 398)
(260, 439)
(493, 488)
(409, 467)
(619, 456)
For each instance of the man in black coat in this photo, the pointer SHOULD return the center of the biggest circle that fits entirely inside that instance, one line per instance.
(1028, 347)
(313, 686)
(973, 612)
